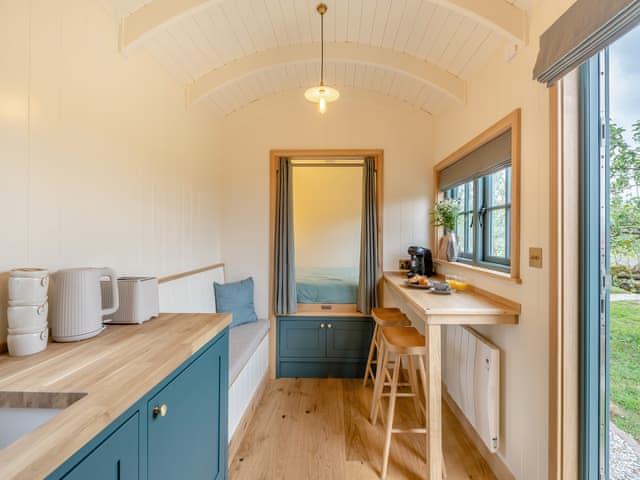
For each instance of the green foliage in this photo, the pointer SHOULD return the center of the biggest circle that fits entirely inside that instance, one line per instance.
(625, 192)
(445, 213)
(625, 366)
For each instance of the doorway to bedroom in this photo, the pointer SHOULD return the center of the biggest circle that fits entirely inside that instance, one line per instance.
(326, 261)
(327, 223)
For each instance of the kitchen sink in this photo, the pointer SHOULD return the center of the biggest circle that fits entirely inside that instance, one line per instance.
(22, 412)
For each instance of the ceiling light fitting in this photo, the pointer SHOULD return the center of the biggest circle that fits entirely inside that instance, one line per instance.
(322, 94)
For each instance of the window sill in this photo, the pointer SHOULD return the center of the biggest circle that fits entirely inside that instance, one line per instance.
(484, 271)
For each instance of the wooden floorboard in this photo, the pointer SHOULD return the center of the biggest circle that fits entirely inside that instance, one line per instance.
(319, 429)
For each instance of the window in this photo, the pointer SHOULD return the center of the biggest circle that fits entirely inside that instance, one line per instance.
(483, 226)
(483, 175)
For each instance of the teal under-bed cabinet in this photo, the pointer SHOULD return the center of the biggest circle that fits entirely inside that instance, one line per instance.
(313, 346)
(178, 430)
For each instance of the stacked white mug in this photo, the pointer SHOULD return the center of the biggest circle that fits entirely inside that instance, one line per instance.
(27, 312)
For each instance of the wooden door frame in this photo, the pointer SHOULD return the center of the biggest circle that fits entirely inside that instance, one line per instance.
(274, 155)
(564, 268)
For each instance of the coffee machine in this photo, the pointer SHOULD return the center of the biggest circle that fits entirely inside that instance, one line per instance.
(421, 261)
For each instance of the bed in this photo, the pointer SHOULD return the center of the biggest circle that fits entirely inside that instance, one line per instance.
(327, 285)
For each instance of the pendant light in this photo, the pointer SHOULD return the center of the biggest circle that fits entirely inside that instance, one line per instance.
(322, 94)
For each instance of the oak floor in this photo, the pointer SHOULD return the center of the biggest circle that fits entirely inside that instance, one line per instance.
(319, 429)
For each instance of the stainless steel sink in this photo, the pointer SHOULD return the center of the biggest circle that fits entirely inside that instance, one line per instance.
(22, 412)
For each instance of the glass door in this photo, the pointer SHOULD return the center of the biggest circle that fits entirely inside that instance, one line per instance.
(610, 263)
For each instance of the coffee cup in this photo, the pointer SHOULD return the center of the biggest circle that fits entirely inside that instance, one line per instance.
(28, 285)
(27, 316)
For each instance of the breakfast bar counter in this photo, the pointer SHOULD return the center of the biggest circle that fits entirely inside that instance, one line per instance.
(100, 378)
(471, 307)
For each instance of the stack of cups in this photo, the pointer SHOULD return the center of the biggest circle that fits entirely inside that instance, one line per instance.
(28, 309)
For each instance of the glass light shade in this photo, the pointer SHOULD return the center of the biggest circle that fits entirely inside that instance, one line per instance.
(314, 94)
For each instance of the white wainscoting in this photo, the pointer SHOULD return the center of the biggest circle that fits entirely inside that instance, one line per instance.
(471, 374)
(192, 293)
(244, 387)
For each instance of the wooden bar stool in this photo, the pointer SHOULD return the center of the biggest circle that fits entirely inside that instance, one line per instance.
(384, 317)
(403, 343)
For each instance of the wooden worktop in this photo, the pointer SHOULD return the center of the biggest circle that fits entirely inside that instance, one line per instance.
(471, 307)
(115, 369)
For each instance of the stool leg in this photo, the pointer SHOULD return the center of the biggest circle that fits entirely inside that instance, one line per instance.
(381, 366)
(413, 381)
(374, 346)
(390, 415)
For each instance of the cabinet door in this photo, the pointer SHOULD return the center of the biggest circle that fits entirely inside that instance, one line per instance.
(114, 459)
(302, 337)
(349, 338)
(189, 438)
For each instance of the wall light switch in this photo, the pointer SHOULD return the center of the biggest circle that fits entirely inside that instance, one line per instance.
(535, 257)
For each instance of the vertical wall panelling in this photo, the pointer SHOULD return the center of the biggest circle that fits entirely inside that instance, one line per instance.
(100, 161)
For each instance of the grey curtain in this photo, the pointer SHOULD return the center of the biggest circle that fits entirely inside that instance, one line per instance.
(368, 283)
(583, 30)
(284, 256)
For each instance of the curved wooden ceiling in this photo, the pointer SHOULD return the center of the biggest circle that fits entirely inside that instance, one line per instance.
(229, 53)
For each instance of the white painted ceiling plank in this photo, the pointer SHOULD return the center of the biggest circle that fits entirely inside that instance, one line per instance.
(419, 31)
(449, 31)
(369, 11)
(265, 37)
(433, 30)
(407, 25)
(354, 21)
(232, 15)
(340, 10)
(393, 23)
(380, 22)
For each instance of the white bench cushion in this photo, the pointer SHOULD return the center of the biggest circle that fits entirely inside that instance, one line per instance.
(243, 341)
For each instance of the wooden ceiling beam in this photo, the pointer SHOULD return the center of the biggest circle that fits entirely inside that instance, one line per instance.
(154, 16)
(498, 15)
(438, 78)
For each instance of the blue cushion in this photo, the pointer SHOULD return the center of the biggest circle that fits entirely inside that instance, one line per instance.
(236, 298)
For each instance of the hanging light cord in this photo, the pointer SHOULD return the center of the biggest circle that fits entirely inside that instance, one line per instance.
(321, 49)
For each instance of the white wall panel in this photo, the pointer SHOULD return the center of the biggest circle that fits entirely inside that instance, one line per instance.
(101, 163)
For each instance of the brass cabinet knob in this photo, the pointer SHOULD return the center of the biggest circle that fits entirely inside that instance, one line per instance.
(322, 325)
(160, 410)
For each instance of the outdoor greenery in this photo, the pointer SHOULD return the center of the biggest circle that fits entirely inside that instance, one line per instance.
(625, 366)
(625, 194)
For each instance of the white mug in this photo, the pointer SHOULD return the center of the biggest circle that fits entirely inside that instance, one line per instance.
(76, 303)
(27, 316)
(28, 343)
(28, 285)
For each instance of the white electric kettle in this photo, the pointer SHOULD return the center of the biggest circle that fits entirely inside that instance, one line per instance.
(76, 303)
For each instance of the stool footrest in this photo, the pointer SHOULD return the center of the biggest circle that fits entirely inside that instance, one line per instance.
(408, 430)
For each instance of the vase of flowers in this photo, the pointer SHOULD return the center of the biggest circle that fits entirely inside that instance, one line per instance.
(445, 214)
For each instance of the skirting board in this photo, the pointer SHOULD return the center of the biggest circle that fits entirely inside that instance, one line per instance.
(496, 464)
(238, 435)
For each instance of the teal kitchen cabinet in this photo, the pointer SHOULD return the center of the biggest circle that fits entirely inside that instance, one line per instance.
(114, 459)
(186, 438)
(315, 346)
(177, 430)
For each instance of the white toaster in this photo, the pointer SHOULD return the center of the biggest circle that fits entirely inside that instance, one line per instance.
(139, 300)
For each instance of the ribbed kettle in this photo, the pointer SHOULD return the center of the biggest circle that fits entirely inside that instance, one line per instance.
(76, 303)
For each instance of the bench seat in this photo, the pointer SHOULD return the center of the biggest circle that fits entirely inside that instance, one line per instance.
(243, 341)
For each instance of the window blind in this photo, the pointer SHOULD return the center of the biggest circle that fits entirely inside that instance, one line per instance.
(490, 157)
(583, 30)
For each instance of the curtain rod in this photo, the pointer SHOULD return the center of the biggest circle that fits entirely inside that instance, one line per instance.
(338, 162)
